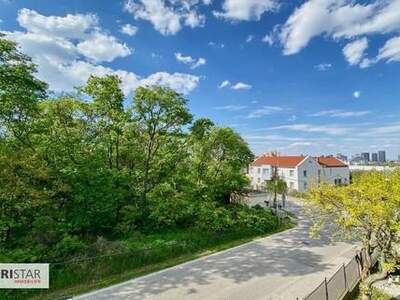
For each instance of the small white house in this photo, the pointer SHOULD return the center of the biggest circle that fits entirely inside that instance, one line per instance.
(299, 172)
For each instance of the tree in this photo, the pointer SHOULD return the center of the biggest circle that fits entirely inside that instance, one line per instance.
(20, 90)
(219, 156)
(107, 102)
(367, 210)
(161, 114)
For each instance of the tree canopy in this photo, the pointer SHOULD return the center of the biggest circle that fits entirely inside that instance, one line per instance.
(96, 163)
(368, 210)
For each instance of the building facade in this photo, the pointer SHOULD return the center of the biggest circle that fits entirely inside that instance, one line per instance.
(381, 156)
(299, 172)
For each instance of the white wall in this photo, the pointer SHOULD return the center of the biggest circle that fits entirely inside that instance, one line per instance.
(295, 178)
(258, 175)
(311, 167)
(342, 173)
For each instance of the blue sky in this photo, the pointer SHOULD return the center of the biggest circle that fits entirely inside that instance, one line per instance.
(315, 76)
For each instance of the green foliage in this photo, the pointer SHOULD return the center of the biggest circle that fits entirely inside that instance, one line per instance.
(367, 210)
(76, 168)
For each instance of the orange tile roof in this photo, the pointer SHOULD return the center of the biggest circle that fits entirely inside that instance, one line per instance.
(330, 162)
(279, 161)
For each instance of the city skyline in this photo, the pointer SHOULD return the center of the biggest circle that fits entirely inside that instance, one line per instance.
(284, 84)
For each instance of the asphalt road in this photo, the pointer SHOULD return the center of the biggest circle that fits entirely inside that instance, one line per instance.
(282, 266)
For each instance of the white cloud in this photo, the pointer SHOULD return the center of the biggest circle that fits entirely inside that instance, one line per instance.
(327, 129)
(354, 51)
(273, 137)
(292, 118)
(241, 86)
(168, 17)
(269, 39)
(391, 50)
(231, 107)
(338, 19)
(129, 29)
(265, 110)
(224, 83)
(356, 94)
(188, 60)
(67, 50)
(102, 47)
(216, 45)
(323, 67)
(181, 82)
(240, 10)
(70, 26)
(249, 38)
(340, 113)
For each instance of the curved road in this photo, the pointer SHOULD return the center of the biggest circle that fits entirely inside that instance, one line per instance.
(282, 266)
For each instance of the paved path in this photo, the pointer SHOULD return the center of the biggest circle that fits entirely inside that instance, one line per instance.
(282, 266)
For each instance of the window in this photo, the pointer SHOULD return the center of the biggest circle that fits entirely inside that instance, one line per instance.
(291, 185)
(305, 173)
(305, 185)
(338, 181)
(258, 170)
(319, 172)
(291, 172)
(265, 171)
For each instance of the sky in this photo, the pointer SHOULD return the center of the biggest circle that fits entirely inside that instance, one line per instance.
(301, 77)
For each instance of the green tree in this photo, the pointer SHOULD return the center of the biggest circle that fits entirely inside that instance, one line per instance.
(161, 114)
(20, 90)
(367, 210)
(219, 156)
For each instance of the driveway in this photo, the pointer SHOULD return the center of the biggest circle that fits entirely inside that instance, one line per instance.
(282, 266)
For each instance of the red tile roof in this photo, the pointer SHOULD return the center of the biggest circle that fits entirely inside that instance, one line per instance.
(279, 161)
(330, 162)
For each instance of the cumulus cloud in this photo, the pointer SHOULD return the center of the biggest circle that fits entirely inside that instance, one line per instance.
(354, 51)
(339, 19)
(241, 86)
(69, 26)
(102, 47)
(190, 61)
(129, 29)
(181, 82)
(69, 49)
(239, 10)
(168, 17)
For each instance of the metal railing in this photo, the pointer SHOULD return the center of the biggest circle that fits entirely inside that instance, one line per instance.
(342, 282)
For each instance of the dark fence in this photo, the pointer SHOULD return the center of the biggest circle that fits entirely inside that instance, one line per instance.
(341, 283)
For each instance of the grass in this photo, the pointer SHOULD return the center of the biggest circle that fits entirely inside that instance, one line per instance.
(156, 252)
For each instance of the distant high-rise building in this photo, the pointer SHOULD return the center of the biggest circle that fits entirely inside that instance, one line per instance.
(365, 156)
(341, 157)
(381, 156)
(374, 157)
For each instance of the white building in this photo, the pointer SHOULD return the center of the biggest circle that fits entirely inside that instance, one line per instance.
(299, 172)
